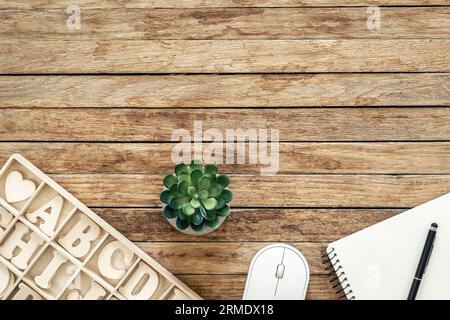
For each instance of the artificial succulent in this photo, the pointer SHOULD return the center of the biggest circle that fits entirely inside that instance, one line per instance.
(196, 196)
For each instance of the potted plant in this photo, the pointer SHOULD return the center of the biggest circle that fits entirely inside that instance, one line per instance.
(196, 198)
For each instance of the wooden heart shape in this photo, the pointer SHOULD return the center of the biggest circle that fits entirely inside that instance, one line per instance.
(17, 188)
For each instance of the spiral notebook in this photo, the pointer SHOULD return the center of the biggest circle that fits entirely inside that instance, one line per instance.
(379, 262)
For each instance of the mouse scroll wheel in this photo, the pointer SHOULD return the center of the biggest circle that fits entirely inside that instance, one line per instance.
(280, 271)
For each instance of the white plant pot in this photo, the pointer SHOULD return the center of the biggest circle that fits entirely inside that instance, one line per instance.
(189, 230)
(192, 232)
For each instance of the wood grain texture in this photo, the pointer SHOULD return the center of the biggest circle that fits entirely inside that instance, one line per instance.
(114, 190)
(155, 158)
(231, 286)
(262, 225)
(154, 125)
(202, 91)
(118, 4)
(231, 23)
(224, 56)
(215, 258)
(358, 145)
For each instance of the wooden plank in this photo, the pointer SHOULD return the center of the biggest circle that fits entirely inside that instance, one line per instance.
(224, 257)
(224, 56)
(274, 225)
(295, 158)
(117, 4)
(114, 190)
(156, 125)
(182, 91)
(231, 23)
(231, 286)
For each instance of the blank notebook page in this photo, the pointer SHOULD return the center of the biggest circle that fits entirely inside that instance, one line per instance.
(380, 262)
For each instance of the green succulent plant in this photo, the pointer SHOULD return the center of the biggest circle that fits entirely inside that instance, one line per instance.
(196, 196)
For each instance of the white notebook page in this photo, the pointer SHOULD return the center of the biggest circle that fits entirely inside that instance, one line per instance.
(380, 261)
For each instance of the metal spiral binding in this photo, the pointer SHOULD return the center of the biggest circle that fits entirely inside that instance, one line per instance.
(336, 275)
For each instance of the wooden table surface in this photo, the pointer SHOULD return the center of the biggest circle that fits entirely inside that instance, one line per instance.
(363, 115)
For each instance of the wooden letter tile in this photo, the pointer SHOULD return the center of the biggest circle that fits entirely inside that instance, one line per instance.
(18, 250)
(24, 292)
(78, 241)
(52, 272)
(143, 283)
(177, 294)
(49, 210)
(114, 260)
(111, 261)
(17, 188)
(44, 279)
(49, 214)
(5, 219)
(17, 184)
(7, 279)
(85, 288)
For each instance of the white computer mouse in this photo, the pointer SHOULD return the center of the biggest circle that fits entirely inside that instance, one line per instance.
(277, 272)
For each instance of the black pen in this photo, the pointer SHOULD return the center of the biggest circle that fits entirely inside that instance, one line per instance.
(423, 262)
